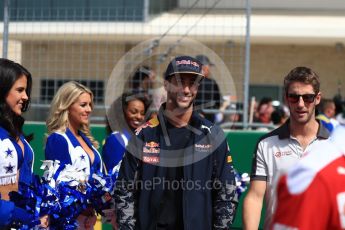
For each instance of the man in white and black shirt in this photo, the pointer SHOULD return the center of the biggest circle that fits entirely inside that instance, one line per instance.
(283, 147)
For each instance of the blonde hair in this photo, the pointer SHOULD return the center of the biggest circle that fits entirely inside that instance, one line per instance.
(67, 95)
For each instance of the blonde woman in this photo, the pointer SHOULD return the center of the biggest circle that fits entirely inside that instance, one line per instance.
(69, 139)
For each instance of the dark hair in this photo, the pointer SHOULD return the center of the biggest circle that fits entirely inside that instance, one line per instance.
(135, 95)
(325, 104)
(264, 101)
(339, 104)
(10, 72)
(277, 115)
(115, 119)
(304, 75)
(141, 74)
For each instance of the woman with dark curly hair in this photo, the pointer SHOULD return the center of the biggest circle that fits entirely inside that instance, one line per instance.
(126, 114)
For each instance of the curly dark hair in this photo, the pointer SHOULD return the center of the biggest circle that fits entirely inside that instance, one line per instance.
(116, 118)
(10, 72)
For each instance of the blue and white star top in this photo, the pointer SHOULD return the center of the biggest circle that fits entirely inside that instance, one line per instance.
(114, 149)
(12, 160)
(66, 148)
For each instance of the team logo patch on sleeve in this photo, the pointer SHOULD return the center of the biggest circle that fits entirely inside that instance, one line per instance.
(228, 159)
(151, 123)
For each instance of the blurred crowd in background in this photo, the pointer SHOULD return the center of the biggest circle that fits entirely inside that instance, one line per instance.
(264, 114)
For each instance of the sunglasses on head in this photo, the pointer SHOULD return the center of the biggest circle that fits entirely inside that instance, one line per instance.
(307, 98)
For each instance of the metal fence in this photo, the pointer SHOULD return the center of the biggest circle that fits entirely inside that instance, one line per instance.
(102, 43)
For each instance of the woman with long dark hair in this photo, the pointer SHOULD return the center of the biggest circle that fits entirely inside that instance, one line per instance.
(16, 155)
